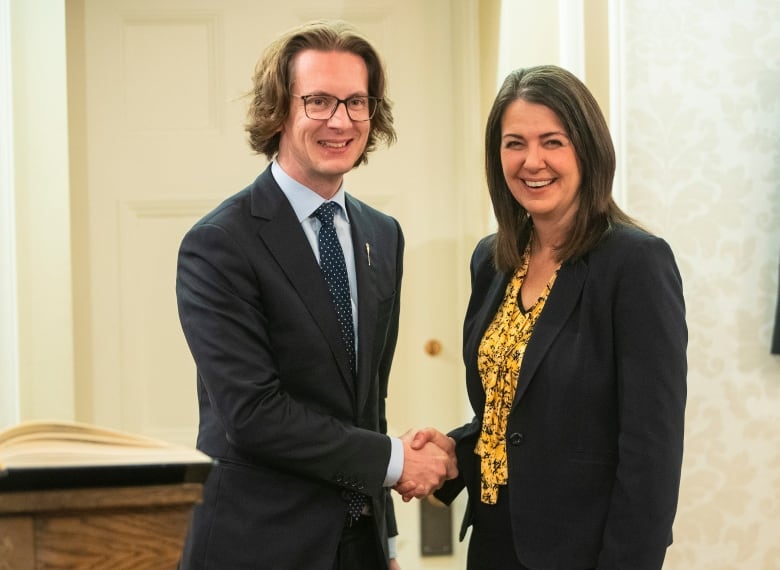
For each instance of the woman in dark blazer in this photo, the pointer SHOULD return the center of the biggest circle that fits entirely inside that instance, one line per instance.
(575, 350)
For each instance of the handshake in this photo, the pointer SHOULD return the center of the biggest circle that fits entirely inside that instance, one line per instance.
(429, 461)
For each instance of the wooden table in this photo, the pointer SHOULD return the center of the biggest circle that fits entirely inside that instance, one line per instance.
(112, 527)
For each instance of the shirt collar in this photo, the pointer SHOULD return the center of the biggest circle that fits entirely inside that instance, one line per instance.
(304, 200)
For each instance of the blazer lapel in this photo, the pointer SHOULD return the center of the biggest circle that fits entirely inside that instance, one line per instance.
(483, 317)
(363, 232)
(489, 298)
(281, 233)
(564, 296)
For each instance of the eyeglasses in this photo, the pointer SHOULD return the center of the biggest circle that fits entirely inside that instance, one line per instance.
(323, 107)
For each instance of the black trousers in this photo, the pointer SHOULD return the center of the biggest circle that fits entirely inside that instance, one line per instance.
(359, 548)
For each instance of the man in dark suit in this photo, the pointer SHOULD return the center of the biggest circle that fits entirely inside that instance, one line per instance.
(292, 367)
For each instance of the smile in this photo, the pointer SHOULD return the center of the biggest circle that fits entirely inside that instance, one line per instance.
(538, 183)
(328, 144)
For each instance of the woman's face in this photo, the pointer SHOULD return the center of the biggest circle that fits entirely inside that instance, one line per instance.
(539, 162)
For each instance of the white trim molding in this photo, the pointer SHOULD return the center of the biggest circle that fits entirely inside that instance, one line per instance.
(616, 98)
(571, 36)
(9, 319)
(41, 202)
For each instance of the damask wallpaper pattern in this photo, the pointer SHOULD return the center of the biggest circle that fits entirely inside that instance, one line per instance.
(702, 168)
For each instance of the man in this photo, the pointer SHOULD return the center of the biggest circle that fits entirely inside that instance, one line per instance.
(292, 320)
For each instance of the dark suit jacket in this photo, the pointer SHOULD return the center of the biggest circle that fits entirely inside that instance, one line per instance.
(279, 410)
(595, 435)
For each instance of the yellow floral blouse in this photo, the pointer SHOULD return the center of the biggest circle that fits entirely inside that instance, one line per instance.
(498, 360)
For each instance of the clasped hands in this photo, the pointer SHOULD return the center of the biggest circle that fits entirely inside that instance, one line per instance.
(429, 461)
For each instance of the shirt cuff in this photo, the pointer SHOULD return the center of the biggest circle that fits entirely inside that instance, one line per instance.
(396, 465)
(391, 550)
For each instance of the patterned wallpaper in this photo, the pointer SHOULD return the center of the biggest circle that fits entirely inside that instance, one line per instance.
(702, 164)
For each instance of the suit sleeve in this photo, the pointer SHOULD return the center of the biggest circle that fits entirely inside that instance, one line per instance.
(650, 340)
(465, 440)
(224, 319)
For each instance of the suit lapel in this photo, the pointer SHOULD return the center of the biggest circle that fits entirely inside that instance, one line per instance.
(484, 316)
(487, 297)
(564, 296)
(363, 232)
(281, 233)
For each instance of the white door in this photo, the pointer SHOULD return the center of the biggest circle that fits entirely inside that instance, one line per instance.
(157, 131)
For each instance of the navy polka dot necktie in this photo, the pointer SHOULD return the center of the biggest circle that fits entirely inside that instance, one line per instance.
(334, 269)
(335, 272)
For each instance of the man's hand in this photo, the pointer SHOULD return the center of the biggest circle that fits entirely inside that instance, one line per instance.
(429, 460)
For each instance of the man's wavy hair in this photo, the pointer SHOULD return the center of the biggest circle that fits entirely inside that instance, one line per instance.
(579, 113)
(273, 83)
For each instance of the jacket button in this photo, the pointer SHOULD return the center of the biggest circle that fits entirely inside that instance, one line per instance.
(516, 438)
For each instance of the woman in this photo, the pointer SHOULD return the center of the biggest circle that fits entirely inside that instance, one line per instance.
(574, 345)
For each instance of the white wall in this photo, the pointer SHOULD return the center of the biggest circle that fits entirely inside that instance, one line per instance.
(528, 35)
(701, 103)
(36, 203)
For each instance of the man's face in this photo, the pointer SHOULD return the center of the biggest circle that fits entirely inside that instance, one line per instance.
(317, 153)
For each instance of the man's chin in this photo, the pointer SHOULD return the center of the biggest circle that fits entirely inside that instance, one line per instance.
(338, 166)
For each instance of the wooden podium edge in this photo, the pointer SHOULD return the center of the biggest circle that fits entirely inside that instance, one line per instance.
(42, 501)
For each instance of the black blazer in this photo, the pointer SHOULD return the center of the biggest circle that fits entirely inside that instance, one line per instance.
(595, 435)
(291, 430)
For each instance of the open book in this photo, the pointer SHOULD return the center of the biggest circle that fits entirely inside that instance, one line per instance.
(60, 454)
